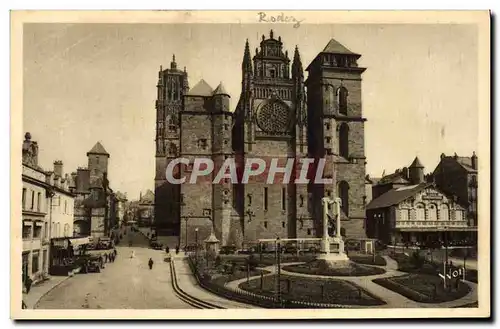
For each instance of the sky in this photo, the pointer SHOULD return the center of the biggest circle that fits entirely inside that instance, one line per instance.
(85, 83)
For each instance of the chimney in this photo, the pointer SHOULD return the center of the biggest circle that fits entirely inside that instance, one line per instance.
(58, 168)
(474, 160)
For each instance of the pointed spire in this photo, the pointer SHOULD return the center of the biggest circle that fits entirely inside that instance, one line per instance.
(297, 70)
(173, 64)
(220, 90)
(416, 163)
(271, 34)
(246, 66)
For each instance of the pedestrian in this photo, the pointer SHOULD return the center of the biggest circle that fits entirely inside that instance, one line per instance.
(167, 249)
(132, 254)
(150, 263)
(105, 258)
(177, 249)
(115, 252)
(27, 284)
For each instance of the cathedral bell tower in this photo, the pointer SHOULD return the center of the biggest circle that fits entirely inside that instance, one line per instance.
(172, 86)
(336, 131)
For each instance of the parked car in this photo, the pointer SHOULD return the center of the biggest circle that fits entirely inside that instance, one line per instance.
(94, 267)
(227, 250)
(156, 246)
(290, 248)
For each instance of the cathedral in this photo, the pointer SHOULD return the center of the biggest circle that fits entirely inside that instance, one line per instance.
(279, 114)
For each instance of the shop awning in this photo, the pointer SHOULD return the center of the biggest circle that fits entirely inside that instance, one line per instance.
(64, 242)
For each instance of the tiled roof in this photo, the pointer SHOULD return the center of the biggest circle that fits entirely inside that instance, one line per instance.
(98, 149)
(201, 89)
(335, 47)
(148, 197)
(396, 196)
(395, 178)
(416, 163)
(466, 162)
(220, 90)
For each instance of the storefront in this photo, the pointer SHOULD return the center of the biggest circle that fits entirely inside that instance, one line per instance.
(63, 252)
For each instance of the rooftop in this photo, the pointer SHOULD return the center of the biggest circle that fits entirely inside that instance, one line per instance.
(98, 149)
(396, 196)
(202, 88)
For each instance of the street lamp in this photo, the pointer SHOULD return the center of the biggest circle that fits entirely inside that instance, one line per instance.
(196, 240)
(278, 270)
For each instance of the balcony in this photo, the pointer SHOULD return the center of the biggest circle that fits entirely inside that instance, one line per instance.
(439, 224)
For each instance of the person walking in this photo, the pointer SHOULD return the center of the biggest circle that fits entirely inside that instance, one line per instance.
(27, 284)
(132, 254)
(167, 250)
(150, 263)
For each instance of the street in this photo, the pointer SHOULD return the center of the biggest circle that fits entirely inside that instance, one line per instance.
(125, 284)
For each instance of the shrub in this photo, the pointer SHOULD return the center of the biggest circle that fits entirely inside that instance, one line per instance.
(252, 262)
(417, 260)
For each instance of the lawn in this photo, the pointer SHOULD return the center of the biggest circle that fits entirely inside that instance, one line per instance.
(225, 271)
(320, 267)
(368, 259)
(408, 264)
(270, 259)
(424, 288)
(313, 290)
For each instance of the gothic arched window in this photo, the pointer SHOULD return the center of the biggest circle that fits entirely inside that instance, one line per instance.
(344, 196)
(342, 99)
(344, 140)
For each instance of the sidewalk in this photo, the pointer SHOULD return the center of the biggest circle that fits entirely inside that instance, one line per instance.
(38, 291)
(393, 299)
(189, 285)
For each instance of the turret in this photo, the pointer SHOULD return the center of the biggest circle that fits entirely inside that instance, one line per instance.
(416, 172)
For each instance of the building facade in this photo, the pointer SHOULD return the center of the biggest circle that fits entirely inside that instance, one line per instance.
(407, 209)
(279, 114)
(47, 208)
(63, 203)
(145, 209)
(457, 175)
(95, 204)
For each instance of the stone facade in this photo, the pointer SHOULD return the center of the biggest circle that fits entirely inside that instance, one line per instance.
(47, 211)
(95, 208)
(274, 118)
(457, 175)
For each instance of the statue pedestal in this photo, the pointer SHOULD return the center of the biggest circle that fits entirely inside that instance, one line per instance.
(337, 256)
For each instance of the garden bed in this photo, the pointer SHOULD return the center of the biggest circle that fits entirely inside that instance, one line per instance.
(368, 259)
(270, 259)
(410, 265)
(424, 288)
(313, 290)
(320, 267)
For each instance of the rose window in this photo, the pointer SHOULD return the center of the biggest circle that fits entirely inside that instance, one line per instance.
(274, 118)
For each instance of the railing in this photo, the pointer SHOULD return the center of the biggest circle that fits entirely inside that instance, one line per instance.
(247, 297)
(188, 299)
(427, 223)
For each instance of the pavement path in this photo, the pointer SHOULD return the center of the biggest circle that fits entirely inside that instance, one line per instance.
(127, 283)
(392, 299)
(188, 284)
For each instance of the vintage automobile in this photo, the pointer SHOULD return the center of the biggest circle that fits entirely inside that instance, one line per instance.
(156, 245)
(227, 250)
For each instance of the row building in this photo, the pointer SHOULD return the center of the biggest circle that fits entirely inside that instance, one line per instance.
(409, 207)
